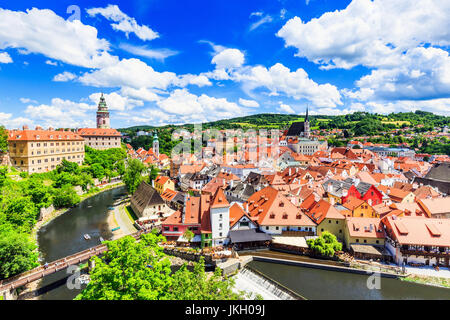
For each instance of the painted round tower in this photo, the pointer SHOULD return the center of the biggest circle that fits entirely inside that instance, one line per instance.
(103, 114)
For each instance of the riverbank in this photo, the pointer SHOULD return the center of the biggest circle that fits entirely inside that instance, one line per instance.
(50, 217)
(428, 280)
(417, 275)
(57, 212)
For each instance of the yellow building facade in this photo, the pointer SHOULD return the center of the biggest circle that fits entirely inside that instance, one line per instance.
(37, 151)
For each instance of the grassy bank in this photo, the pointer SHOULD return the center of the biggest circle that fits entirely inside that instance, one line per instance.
(427, 280)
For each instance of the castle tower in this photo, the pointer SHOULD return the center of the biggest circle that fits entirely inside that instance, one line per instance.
(156, 145)
(102, 114)
(307, 132)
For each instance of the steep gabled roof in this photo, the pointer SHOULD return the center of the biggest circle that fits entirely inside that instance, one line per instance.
(145, 196)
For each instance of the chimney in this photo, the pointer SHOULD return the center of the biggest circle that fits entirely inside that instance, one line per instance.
(25, 127)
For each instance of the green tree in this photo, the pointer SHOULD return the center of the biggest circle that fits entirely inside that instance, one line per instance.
(133, 175)
(153, 174)
(132, 270)
(20, 212)
(62, 179)
(326, 245)
(65, 197)
(3, 139)
(129, 270)
(17, 252)
(97, 170)
(188, 235)
(68, 166)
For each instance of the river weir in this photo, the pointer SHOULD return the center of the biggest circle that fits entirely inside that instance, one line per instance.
(255, 283)
(319, 284)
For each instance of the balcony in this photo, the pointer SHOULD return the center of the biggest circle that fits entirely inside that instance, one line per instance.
(424, 253)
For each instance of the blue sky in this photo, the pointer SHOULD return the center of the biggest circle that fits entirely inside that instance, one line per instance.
(170, 61)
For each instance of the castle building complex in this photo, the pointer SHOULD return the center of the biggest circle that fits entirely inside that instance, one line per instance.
(40, 150)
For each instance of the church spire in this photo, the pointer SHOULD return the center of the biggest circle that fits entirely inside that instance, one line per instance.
(306, 117)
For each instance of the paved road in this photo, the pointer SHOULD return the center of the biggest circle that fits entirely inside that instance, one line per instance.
(124, 221)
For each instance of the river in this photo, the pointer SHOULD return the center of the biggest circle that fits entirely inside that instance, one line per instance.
(63, 236)
(323, 284)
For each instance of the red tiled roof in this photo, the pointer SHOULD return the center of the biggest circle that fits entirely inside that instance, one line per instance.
(42, 135)
(98, 132)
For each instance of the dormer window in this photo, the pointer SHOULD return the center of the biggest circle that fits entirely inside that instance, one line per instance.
(37, 137)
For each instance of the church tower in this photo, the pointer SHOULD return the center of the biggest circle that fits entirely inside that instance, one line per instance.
(102, 114)
(306, 125)
(156, 145)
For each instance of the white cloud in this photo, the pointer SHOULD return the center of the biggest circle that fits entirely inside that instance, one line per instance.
(191, 79)
(44, 32)
(192, 108)
(5, 57)
(27, 100)
(228, 58)
(141, 94)
(284, 108)
(370, 33)
(51, 63)
(64, 77)
(256, 14)
(422, 74)
(297, 84)
(260, 22)
(116, 101)
(123, 22)
(248, 103)
(132, 73)
(7, 120)
(143, 51)
(62, 113)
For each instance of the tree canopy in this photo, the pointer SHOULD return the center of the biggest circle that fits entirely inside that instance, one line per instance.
(133, 175)
(139, 270)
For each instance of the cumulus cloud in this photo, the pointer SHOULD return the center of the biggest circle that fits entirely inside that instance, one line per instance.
(132, 73)
(5, 57)
(370, 33)
(248, 103)
(44, 32)
(8, 121)
(284, 108)
(295, 84)
(228, 58)
(140, 94)
(27, 100)
(123, 22)
(423, 74)
(143, 51)
(64, 77)
(193, 108)
(116, 101)
(62, 113)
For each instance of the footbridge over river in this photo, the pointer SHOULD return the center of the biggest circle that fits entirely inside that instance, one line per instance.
(7, 286)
